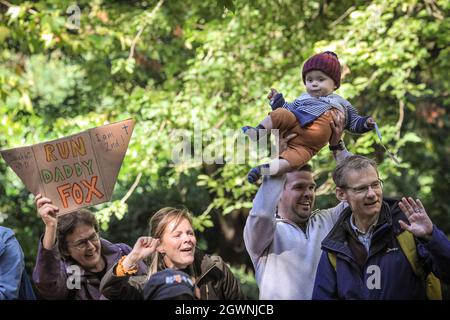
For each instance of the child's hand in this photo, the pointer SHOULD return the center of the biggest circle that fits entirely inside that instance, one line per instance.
(370, 123)
(272, 94)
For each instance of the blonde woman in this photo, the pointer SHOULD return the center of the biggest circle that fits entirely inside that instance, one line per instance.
(171, 244)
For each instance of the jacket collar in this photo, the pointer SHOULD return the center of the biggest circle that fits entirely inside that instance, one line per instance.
(206, 267)
(336, 240)
(5, 235)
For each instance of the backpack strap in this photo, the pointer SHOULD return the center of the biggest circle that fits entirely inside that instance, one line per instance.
(408, 246)
(332, 258)
(432, 283)
(26, 291)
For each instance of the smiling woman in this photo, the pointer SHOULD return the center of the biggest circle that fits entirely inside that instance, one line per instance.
(72, 257)
(171, 245)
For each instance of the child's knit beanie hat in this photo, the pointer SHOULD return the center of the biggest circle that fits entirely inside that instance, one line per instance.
(327, 62)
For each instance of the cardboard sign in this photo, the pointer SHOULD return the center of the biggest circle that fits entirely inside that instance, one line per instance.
(75, 171)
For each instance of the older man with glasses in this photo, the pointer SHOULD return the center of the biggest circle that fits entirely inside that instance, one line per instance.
(72, 258)
(378, 245)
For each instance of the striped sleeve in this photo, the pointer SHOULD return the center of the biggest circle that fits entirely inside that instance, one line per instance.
(291, 106)
(356, 123)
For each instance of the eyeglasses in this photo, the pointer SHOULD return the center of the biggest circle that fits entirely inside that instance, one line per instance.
(376, 186)
(84, 243)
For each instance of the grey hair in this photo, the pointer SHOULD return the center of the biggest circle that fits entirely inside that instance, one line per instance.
(355, 162)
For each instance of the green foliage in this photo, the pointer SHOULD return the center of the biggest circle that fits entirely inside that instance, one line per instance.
(114, 208)
(247, 281)
(202, 222)
(176, 65)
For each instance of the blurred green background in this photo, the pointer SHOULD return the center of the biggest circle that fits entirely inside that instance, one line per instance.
(177, 64)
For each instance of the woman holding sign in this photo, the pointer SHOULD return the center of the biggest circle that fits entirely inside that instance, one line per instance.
(172, 244)
(72, 258)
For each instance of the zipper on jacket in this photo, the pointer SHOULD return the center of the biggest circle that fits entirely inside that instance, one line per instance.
(308, 223)
(296, 226)
(371, 253)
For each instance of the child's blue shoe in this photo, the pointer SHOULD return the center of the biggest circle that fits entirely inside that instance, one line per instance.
(251, 132)
(255, 133)
(246, 128)
(254, 175)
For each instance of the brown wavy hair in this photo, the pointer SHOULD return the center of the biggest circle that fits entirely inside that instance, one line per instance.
(67, 224)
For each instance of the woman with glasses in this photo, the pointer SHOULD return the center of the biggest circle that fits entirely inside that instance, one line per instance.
(72, 258)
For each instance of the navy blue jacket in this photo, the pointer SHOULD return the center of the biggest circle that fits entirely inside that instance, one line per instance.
(14, 280)
(384, 272)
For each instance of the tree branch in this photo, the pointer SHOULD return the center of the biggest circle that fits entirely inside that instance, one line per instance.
(135, 184)
(148, 20)
(9, 5)
(338, 20)
(401, 111)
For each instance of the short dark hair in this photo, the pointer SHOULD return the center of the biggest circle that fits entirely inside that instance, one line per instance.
(306, 167)
(355, 162)
(67, 224)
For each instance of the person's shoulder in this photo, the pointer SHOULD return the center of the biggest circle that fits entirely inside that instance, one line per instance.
(108, 246)
(322, 217)
(8, 239)
(5, 230)
(339, 208)
(208, 261)
(335, 95)
(320, 212)
(123, 247)
(304, 95)
(6, 233)
(338, 98)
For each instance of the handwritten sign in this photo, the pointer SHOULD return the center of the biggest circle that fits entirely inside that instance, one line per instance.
(76, 171)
